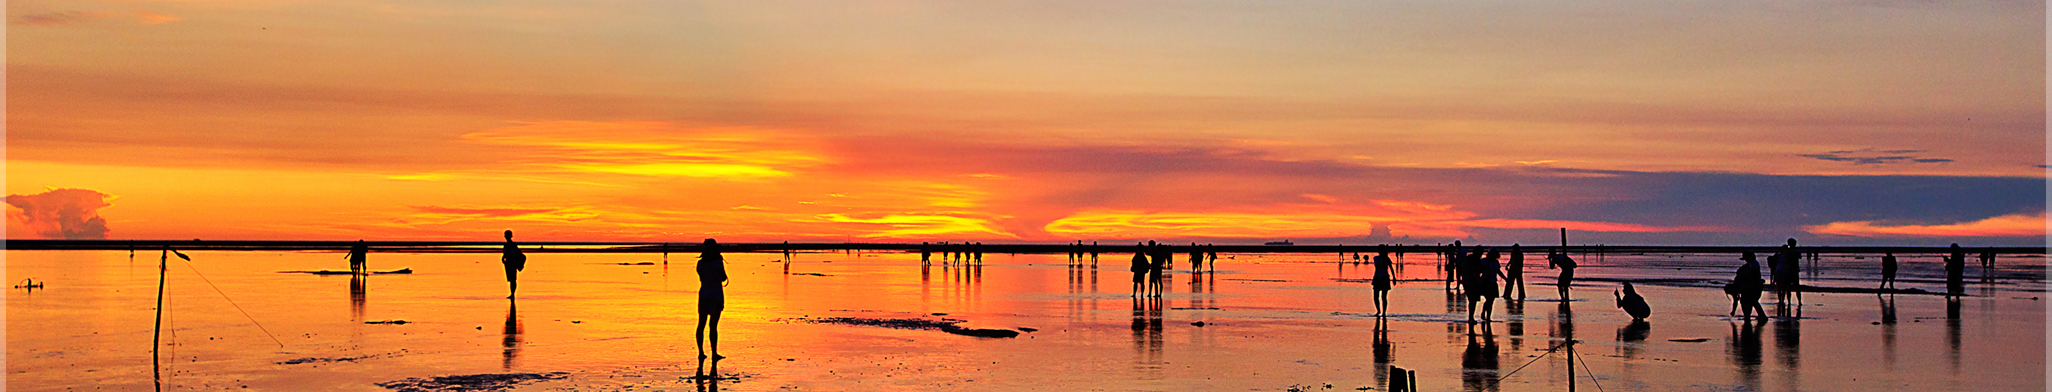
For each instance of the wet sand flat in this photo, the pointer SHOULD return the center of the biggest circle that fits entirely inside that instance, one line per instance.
(1269, 322)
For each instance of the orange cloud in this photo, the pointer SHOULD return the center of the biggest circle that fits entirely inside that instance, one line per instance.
(909, 226)
(71, 17)
(654, 149)
(2016, 225)
(70, 214)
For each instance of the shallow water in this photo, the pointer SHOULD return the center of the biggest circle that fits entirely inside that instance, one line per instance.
(1272, 322)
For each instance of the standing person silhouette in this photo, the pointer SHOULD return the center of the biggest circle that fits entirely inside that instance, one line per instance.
(712, 296)
(1140, 267)
(1514, 273)
(358, 255)
(1154, 272)
(1382, 279)
(1482, 272)
(515, 261)
(1746, 285)
(1955, 272)
(1788, 278)
(1567, 270)
(1887, 270)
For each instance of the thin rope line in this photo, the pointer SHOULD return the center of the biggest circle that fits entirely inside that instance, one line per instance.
(231, 302)
(1592, 375)
(1529, 363)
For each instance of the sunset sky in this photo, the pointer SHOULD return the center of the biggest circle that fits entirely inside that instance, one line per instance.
(1713, 122)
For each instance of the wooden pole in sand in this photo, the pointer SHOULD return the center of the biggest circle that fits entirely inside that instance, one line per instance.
(156, 369)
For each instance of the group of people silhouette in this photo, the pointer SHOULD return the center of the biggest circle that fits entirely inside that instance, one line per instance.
(966, 252)
(1476, 272)
(1151, 260)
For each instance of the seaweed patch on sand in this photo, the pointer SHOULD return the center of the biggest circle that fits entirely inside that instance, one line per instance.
(943, 325)
(335, 359)
(470, 382)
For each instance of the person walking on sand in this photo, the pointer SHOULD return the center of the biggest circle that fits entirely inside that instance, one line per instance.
(1383, 279)
(1481, 282)
(1887, 270)
(1955, 272)
(712, 295)
(1514, 273)
(1747, 284)
(515, 262)
(358, 257)
(1140, 267)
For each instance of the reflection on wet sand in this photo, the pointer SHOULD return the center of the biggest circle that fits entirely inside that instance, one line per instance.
(1633, 337)
(1479, 362)
(708, 378)
(513, 329)
(1744, 350)
(1385, 352)
(1147, 341)
(1564, 331)
(1952, 332)
(1515, 324)
(1788, 346)
(1887, 329)
(357, 295)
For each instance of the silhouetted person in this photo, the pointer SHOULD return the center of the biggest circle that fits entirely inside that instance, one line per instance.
(925, 254)
(1514, 273)
(1788, 279)
(1888, 271)
(1567, 270)
(1454, 256)
(1632, 303)
(1156, 270)
(1211, 254)
(515, 262)
(1140, 267)
(1383, 279)
(1748, 285)
(712, 295)
(358, 255)
(1480, 283)
(1955, 272)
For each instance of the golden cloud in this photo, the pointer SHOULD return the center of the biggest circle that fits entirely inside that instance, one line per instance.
(2015, 225)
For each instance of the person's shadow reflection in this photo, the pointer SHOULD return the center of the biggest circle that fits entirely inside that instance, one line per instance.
(1633, 336)
(358, 285)
(1479, 361)
(511, 342)
(1887, 328)
(708, 378)
(1952, 331)
(1744, 350)
(1385, 353)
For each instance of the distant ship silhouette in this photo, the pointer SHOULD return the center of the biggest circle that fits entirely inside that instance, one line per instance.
(1280, 243)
